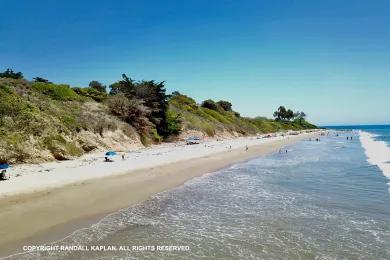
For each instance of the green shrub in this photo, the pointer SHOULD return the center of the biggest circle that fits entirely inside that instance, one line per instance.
(73, 150)
(183, 102)
(218, 116)
(225, 105)
(174, 123)
(209, 130)
(155, 136)
(93, 93)
(57, 92)
(145, 140)
(210, 104)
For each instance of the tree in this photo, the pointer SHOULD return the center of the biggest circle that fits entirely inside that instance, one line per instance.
(284, 114)
(289, 114)
(225, 105)
(39, 79)
(131, 111)
(126, 86)
(210, 104)
(280, 114)
(154, 96)
(300, 116)
(97, 85)
(174, 122)
(151, 94)
(11, 74)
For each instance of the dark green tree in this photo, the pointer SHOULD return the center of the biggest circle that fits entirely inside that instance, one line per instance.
(300, 116)
(226, 105)
(289, 115)
(154, 96)
(174, 122)
(210, 104)
(280, 114)
(11, 74)
(126, 86)
(151, 95)
(39, 79)
(97, 86)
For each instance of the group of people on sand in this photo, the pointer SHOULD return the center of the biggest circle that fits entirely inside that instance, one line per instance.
(109, 159)
(349, 138)
(280, 150)
(4, 175)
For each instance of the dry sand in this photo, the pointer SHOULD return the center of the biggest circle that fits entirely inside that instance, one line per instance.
(40, 206)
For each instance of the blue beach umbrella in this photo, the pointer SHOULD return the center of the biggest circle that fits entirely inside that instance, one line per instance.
(110, 153)
(4, 166)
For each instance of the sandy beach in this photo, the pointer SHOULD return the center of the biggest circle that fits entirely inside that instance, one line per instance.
(49, 201)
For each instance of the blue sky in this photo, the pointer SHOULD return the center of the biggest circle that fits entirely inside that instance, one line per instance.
(329, 58)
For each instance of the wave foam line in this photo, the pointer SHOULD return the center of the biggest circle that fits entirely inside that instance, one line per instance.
(377, 152)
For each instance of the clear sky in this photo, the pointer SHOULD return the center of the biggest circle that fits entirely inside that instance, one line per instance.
(329, 58)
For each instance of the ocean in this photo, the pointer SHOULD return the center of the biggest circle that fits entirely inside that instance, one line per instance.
(320, 200)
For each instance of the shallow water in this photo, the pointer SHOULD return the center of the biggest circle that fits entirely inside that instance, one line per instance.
(320, 200)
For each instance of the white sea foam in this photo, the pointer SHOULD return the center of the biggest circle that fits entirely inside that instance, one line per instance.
(377, 152)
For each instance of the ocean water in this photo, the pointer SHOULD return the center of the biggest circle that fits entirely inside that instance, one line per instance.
(320, 200)
(381, 132)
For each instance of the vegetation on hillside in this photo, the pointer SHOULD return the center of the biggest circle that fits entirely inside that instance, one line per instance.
(39, 115)
(39, 121)
(212, 117)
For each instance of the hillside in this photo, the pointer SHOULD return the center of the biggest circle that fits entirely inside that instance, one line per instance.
(215, 120)
(42, 121)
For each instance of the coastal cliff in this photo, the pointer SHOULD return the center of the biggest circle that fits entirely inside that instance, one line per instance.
(42, 121)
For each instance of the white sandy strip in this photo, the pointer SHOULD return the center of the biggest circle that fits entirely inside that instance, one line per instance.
(31, 178)
(377, 152)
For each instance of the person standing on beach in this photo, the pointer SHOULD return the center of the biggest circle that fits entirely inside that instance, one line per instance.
(246, 148)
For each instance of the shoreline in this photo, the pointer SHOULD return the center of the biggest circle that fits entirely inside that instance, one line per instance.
(377, 152)
(54, 212)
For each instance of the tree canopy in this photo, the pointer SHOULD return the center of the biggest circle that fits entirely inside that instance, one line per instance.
(11, 74)
(225, 105)
(39, 79)
(97, 86)
(210, 104)
(152, 95)
(287, 114)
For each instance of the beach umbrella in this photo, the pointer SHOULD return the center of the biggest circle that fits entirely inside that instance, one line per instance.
(4, 166)
(110, 153)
